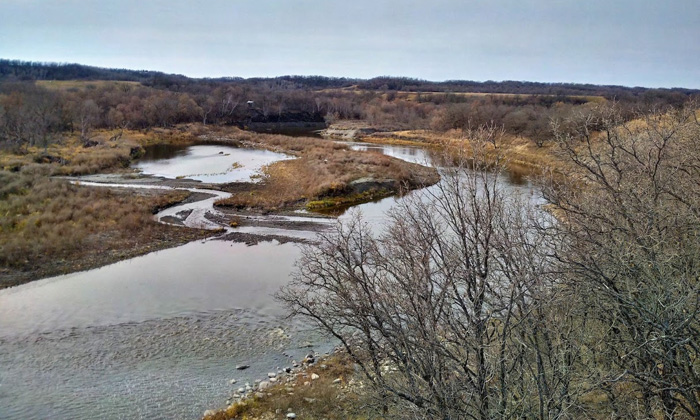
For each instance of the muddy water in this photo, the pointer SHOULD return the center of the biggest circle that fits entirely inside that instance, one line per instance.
(156, 336)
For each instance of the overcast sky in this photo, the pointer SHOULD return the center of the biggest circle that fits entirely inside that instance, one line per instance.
(627, 42)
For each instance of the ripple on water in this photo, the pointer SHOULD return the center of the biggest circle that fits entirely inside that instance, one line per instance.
(174, 368)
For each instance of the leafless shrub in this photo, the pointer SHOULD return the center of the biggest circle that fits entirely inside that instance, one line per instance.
(440, 311)
(628, 243)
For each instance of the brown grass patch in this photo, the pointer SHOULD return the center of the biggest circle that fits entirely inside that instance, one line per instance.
(65, 85)
(317, 399)
(326, 169)
(50, 226)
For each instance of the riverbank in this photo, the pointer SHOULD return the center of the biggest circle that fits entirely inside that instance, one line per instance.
(521, 155)
(314, 388)
(53, 227)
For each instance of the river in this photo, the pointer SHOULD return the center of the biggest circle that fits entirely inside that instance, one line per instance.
(159, 336)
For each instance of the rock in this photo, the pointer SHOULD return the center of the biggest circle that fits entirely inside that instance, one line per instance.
(273, 379)
(271, 375)
(242, 367)
(288, 370)
(259, 395)
(291, 416)
(232, 381)
(209, 413)
(314, 376)
(337, 381)
(324, 366)
(307, 383)
(263, 385)
(241, 390)
(310, 400)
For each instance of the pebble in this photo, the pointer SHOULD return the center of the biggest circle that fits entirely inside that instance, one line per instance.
(337, 381)
(212, 412)
(259, 395)
(263, 385)
(241, 390)
(314, 376)
(242, 367)
(232, 381)
(273, 379)
(291, 416)
(271, 375)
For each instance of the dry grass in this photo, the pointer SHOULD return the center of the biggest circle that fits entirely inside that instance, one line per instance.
(522, 156)
(413, 95)
(307, 398)
(322, 168)
(325, 169)
(69, 157)
(83, 84)
(49, 226)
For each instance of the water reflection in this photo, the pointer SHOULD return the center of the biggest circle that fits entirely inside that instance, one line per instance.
(413, 154)
(207, 163)
(209, 276)
(163, 331)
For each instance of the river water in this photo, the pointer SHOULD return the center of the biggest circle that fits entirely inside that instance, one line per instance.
(159, 336)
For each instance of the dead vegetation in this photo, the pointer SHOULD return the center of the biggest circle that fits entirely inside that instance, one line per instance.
(326, 172)
(51, 227)
(322, 169)
(335, 394)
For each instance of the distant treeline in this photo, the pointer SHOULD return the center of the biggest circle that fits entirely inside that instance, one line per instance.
(41, 101)
(27, 70)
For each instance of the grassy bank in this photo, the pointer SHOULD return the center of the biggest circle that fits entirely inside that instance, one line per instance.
(523, 156)
(52, 227)
(323, 172)
(335, 393)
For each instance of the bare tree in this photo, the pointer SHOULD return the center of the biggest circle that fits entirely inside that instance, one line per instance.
(629, 244)
(438, 311)
(87, 115)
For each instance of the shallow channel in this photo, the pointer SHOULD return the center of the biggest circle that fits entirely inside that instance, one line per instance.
(157, 336)
(206, 163)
